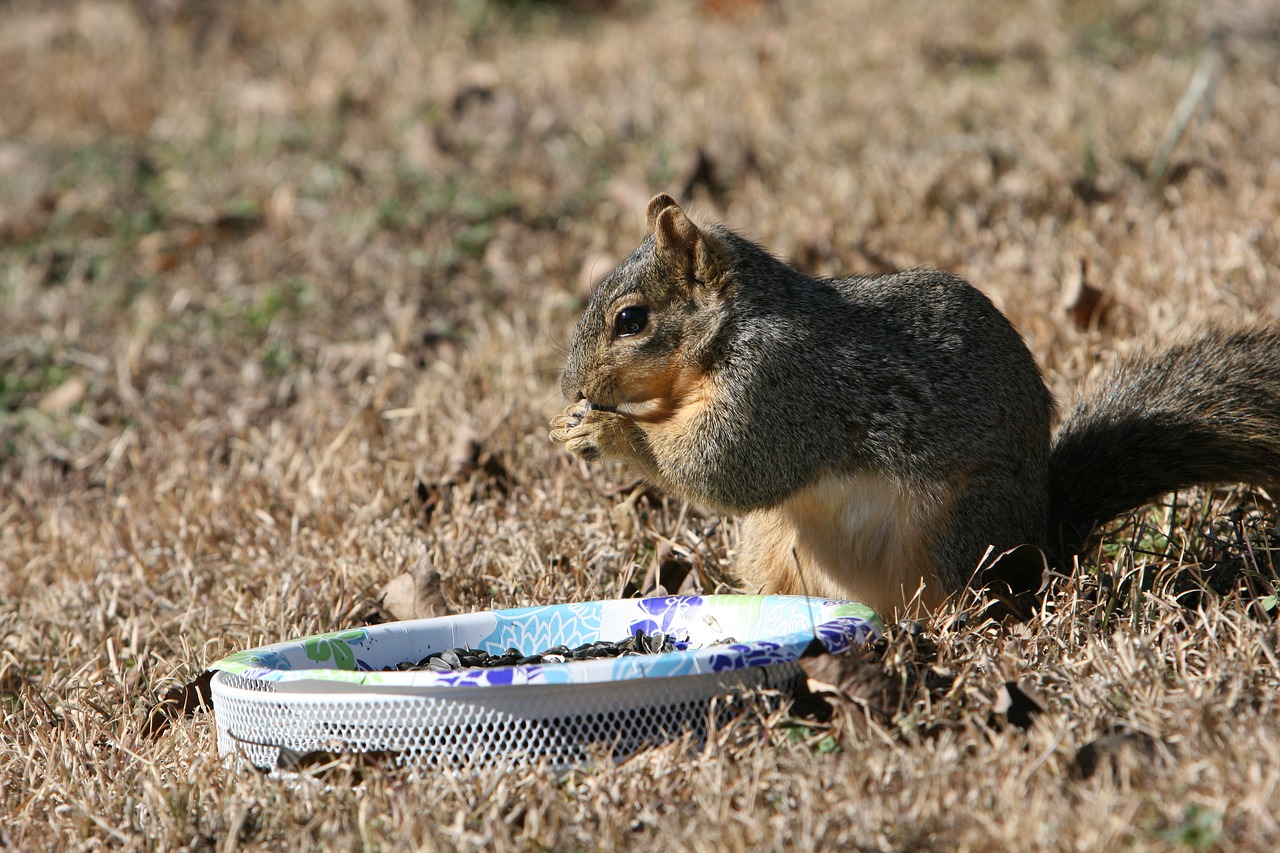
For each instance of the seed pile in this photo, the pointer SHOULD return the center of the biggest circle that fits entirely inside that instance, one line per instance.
(448, 660)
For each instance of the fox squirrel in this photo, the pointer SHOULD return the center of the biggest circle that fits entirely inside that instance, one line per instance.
(880, 434)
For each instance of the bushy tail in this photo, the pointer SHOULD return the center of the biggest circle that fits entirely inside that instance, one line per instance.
(1200, 410)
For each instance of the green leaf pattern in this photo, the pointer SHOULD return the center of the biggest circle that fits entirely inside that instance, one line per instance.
(769, 629)
(336, 645)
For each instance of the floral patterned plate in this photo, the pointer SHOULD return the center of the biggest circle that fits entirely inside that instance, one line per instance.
(767, 630)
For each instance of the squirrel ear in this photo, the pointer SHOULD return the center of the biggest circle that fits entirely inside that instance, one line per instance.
(681, 243)
(676, 234)
(657, 204)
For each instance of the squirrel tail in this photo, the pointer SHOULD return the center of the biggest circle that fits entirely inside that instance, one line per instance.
(1200, 410)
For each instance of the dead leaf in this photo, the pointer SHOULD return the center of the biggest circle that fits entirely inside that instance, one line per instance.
(62, 398)
(1089, 307)
(701, 172)
(178, 702)
(466, 456)
(415, 594)
(280, 209)
(464, 453)
(324, 764)
(855, 677)
(730, 8)
(1012, 582)
(421, 149)
(1018, 703)
(1108, 749)
(230, 227)
(669, 571)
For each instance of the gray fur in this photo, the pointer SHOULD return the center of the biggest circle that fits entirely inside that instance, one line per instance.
(917, 377)
(1204, 409)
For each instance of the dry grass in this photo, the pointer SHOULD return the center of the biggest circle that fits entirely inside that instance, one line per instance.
(261, 262)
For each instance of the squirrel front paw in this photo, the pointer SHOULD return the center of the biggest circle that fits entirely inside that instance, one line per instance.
(584, 430)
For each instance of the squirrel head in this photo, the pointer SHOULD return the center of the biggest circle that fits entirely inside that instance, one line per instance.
(650, 322)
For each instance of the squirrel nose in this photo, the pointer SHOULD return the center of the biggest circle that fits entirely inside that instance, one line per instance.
(571, 390)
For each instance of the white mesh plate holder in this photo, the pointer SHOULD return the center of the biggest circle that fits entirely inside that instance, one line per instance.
(328, 693)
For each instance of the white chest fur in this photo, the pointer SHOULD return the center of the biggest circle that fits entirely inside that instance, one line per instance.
(861, 536)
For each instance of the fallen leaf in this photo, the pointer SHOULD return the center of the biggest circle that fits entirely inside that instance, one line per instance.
(854, 677)
(668, 571)
(1088, 306)
(1018, 704)
(178, 702)
(730, 8)
(466, 456)
(324, 763)
(1108, 749)
(415, 594)
(62, 398)
(701, 172)
(281, 208)
(236, 226)
(464, 453)
(1012, 582)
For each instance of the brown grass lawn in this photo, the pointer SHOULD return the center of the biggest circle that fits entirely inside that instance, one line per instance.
(262, 264)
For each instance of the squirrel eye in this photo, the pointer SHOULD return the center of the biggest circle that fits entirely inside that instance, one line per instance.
(631, 321)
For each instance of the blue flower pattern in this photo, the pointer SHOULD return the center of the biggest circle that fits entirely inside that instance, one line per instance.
(773, 629)
(669, 614)
(544, 627)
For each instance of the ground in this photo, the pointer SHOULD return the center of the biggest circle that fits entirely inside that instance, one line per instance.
(265, 268)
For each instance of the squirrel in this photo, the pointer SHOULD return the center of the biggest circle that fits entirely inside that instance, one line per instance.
(879, 436)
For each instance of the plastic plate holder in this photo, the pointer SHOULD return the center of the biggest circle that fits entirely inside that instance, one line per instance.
(328, 693)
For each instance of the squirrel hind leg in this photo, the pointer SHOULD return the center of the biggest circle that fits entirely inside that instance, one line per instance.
(768, 561)
(862, 537)
(989, 517)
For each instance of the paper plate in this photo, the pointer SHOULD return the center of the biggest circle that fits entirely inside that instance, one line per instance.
(329, 693)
